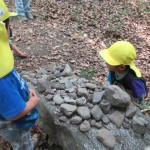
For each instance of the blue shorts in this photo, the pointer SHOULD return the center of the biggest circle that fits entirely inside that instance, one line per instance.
(19, 139)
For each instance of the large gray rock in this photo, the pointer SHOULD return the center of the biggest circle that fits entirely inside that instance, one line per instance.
(83, 92)
(96, 113)
(130, 111)
(106, 137)
(66, 135)
(105, 106)
(97, 97)
(68, 109)
(91, 86)
(85, 126)
(42, 86)
(141, 123)
(63, 125)
(76, 120)
(117, 118)
(84, 112)
(67, 71)
(59, 131)
(58, 99)
(117, 96)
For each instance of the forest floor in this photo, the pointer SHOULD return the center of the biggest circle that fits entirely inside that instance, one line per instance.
(73, 31)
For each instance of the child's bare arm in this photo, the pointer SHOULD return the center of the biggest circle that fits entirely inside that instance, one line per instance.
(30, 104)
(18, 51)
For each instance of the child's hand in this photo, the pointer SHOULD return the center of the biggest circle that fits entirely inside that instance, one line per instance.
(33, 97)
(32, 92)
(30, 105)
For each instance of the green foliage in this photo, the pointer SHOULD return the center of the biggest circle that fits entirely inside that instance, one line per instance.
(145, 7)
(145, 104)
(75, 15)
(89, 73)
(79, 15)
(95, 12)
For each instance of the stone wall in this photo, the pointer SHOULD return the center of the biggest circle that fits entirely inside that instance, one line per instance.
(79, 114)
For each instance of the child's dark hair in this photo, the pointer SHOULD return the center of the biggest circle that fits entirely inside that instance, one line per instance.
(7, 26)
(6, 23)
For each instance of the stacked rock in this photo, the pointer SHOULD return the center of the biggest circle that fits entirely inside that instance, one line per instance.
(88, 104)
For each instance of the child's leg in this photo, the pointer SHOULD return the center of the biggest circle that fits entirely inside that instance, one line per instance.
(25, 142)
(26, 4)
(19, 139)
(20, 7)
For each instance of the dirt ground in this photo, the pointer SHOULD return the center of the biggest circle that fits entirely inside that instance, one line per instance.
(73, 31)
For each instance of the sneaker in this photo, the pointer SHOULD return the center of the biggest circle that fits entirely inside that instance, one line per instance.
(29, 15)
(36, 138)
(23, 18)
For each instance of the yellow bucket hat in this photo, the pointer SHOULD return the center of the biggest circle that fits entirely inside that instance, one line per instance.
(121, 53)
(4, 12)
(6, 56)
